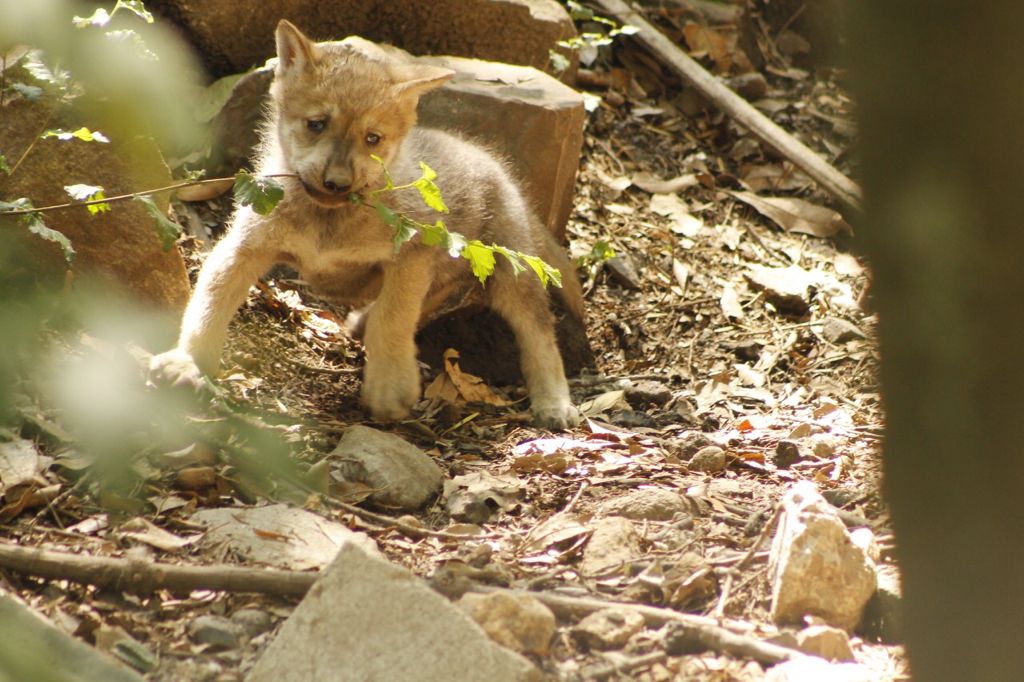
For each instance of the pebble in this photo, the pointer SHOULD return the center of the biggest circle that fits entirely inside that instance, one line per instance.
(216, 632)
(608, 629)
(709, 459)
(520, 622)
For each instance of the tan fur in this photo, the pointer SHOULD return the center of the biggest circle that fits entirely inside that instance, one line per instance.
(358, 89)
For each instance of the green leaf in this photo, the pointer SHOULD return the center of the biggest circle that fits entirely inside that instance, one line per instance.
(389, 183)
(389, 217)
(167, 230)
(513, 258)
(263, 194)
(37, 227)
(4, 168)
(88, 193)
(129, 36)
(430, 192)
(545, 273)
(481, 259)
(39, 70)
(136, 7)
(456, 243)
(83, 134)
(98, 18)
(405, 230)
(434, 235)
(29, 92)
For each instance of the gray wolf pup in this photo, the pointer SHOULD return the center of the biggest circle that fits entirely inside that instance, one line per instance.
(334, 106)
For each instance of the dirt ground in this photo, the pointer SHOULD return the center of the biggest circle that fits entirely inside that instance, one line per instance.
(711, 326)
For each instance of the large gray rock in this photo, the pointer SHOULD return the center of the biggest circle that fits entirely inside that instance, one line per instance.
(232, 38)
(33, 649)
(366, 619)
(813, 567)
(404, 476)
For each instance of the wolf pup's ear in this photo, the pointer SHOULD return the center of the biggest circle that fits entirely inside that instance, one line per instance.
(414, 80)
(294, 50)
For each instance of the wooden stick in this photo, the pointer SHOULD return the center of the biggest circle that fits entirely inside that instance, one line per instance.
(701, 629)
(144, 576)
(838, 185)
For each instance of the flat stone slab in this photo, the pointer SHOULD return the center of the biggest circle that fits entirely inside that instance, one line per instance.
(367, 619)
(33, 649)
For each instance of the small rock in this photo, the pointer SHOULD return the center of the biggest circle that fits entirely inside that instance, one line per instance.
(787, 453)
(839, 331)
(840, 497)
(630, 419)
(624, 271)
(811, 669)
(825, 641)
(519, 622)
(613, 544)
(645, 504)
(644, 393)
(689, 442)
(406, 477)
(750, 86)
(252, 622)
(217, 632)
(608, 628)
(709, 459)
(813, 567)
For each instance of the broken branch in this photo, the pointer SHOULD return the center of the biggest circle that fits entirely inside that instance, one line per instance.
(737, 108)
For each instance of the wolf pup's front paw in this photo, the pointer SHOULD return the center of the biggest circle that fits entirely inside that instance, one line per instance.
(556, 417)
(390, 395)
(176, 368)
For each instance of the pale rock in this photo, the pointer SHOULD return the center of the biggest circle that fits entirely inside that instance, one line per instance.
(645, 504)
(255, 534)
(709, 459)
(216, 632)
(367, 619)
(406, 478)
(49, 654)
(825, 641)
(812, 669)
(608, 628)
(613, 544)
(520, 622)
(813, 567)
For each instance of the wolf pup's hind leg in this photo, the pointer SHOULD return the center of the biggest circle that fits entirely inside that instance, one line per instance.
(524, 304)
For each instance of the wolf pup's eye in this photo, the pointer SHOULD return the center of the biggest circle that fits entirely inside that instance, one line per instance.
(372, 139)
(316, 125)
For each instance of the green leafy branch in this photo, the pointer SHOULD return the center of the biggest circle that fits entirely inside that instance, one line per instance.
(481, 256)
(589, 40)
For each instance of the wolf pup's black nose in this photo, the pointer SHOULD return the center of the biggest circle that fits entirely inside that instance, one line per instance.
(335, 187)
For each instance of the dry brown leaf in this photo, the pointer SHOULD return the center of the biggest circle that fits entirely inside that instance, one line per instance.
(655, 185)
(141, 530)
(773, 176)
(719, 45)
(472, 388)
(797, 215)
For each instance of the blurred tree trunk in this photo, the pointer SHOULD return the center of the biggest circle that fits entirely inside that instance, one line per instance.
(940, 87)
